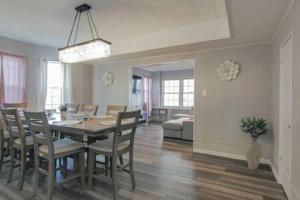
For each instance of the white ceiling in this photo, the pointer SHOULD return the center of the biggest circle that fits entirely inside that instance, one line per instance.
(146, 26)
(251, 22)
(172, 66)
(131, 25)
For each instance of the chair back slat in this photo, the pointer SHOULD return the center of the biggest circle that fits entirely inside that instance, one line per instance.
(88, 109)
(72, 108)
(125, 128)
(40, 129)
(115, 109)
(14, 124)
(16, 105)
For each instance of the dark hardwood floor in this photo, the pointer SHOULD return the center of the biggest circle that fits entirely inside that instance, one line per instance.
(167, 169)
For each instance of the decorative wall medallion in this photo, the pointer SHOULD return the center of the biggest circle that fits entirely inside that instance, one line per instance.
(228, 71)
(108, 78)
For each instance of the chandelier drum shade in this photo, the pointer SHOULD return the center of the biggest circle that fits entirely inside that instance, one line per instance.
(88, 50)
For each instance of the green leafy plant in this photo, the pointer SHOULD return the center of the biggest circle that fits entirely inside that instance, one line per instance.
(254, 126)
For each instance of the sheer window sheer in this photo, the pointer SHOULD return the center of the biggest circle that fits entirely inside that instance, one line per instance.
(12, 79)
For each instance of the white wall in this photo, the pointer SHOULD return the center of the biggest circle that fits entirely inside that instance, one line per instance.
(290, 24)
(32, 54)
(217, 115)
(178, 74)
(81, 83)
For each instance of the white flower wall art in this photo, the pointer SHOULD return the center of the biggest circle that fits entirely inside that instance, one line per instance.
(228, 71)
(108, 78)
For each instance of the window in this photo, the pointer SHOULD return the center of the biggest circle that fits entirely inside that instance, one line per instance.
(54, 85)
(12, 78)
(171, 90)
(178, 93)
(188, 93)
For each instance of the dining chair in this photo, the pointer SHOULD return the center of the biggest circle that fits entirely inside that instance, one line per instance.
(46, 148)
(72, 108)
(122, 143)
(115, 109)
(88, 109)
(19, 142)
(22, 106)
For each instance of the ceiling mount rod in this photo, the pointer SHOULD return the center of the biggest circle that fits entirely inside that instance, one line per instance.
(83, 8)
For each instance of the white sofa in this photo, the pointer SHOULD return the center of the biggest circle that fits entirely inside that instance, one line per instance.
(180, 128)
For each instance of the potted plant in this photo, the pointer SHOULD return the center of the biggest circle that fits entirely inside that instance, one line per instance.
(63, 111)
(255, 127)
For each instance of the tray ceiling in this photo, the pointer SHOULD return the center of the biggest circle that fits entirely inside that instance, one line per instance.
(131, 25)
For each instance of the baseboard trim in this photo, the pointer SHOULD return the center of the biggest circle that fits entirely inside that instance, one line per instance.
(228, 155)
(275, 172)
(235, 156)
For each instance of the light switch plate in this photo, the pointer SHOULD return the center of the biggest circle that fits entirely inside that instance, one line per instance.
(204, 93)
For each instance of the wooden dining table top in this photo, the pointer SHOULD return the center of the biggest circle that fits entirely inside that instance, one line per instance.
(74, 124)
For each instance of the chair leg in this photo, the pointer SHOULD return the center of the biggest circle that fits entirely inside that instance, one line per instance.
(114, 178)
(91, 168)
(12, 164)
(82, 169)
(132, 179)
(106, 165)
(36, 174)
(110, 166)
(121, 160)
(65, 166)
(23, 169)
(1, 154)
(51, 179)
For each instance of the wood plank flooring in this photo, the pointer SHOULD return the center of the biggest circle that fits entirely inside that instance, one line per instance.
(167, 169)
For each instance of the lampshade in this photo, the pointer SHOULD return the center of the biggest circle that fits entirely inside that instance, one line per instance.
(89, 50)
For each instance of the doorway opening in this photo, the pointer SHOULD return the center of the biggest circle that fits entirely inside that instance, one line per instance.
(165, 94)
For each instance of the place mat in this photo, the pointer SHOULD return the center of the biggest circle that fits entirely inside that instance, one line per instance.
(67, 122)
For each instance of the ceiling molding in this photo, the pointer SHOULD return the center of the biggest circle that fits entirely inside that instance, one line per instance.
(106, 61)
(283, 19)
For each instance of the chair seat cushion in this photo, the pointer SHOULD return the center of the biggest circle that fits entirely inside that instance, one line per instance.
(29, 141)
(107, 146)
(62, 146)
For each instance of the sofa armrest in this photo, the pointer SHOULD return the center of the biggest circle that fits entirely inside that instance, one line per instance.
(187, 129)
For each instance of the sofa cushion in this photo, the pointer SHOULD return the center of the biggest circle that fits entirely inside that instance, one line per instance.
(178, 116)
(172, 124)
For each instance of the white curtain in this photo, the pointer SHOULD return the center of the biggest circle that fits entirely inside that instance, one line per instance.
(148, 93)
(42, 85)
(12, 83)
(67, 94)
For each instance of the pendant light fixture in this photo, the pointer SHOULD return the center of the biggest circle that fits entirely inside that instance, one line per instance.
(92, 49)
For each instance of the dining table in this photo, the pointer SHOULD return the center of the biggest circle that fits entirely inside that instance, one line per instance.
(81, 128)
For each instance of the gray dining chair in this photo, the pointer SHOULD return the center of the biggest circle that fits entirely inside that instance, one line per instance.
(115, 109)
(72, 108)
(46, 148)
(121, 144)
(88, 109)
(19, 142)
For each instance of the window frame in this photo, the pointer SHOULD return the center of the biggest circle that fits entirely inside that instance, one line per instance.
(183, 92)
(180, 93)
(54, 105)
(163, 93)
